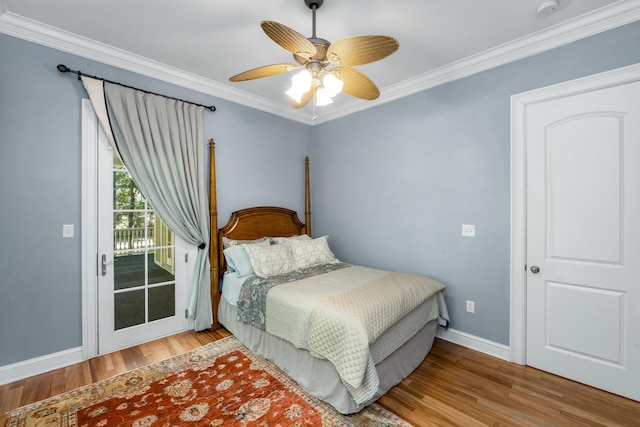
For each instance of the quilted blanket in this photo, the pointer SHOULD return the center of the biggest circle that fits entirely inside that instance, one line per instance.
(342, 327)
(340, 315)
(252, 300)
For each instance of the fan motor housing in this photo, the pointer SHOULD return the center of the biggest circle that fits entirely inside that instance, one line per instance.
(321, 46)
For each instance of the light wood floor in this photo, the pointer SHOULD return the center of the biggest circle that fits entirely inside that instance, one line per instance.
(454, 386)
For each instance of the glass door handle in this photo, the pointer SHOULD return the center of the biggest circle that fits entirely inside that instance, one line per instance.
(103, 264)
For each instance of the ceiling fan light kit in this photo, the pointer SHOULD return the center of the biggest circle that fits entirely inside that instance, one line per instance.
(314, 55)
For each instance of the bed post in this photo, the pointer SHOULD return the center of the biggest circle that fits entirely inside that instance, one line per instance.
(307, 197)
(213, 235)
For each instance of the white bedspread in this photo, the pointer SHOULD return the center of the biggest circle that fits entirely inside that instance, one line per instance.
(338, 315)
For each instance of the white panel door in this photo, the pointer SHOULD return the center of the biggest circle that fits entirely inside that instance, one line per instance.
(583, 237)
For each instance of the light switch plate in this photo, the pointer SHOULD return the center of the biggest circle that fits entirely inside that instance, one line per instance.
(67, 230)
(471, 306)
(468, 230)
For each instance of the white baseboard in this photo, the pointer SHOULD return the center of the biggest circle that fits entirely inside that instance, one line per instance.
(39, 365)
(473, 342)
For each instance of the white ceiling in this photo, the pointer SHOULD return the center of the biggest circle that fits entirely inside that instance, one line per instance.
(199, 44)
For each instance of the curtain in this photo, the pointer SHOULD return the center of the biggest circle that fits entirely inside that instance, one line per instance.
(159, 141)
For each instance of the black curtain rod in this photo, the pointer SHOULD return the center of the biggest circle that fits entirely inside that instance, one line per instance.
(64, 69)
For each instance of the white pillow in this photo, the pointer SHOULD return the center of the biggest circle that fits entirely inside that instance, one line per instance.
(279, 240)
(238, 260)
(227, 243)
(311, 252)
(271, 260)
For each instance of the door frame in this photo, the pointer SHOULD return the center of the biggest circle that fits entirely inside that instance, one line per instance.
(518, 241)
(89, 218)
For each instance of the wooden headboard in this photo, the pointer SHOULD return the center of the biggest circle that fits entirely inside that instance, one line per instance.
(248, 224)
(261, 221)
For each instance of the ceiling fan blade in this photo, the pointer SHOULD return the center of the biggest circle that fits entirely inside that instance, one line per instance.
(356, 84)
(308, 96)
(361, 50)
(260, 72)
(289, 39)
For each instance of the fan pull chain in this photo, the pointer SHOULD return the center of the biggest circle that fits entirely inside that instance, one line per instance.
(314, 107)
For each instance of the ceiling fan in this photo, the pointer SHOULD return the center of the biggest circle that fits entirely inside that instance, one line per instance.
(314, 55)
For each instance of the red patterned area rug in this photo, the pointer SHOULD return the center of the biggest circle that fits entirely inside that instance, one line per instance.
(219, 384)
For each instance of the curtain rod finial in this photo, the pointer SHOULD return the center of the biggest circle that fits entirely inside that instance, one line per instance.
(63, 68)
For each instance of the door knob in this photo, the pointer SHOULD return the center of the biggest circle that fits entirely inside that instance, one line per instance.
(535, 269)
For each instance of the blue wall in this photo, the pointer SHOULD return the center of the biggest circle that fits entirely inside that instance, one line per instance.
(391, 185)
(394, 184)
(260, 158)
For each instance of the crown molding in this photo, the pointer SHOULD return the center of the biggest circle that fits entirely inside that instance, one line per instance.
(598, 21)
(37, 32)
(618, 14)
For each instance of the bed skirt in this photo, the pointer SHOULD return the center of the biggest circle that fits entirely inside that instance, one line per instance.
(318, 376)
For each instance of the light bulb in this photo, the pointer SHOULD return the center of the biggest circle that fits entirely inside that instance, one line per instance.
(300, 84)
(323, 97)
(332, 84)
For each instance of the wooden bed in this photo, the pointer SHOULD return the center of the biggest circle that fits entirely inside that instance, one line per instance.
(317, 375)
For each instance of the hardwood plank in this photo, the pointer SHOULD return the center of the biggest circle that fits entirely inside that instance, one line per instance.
(10, 398)
(496, 392)
(454, 386)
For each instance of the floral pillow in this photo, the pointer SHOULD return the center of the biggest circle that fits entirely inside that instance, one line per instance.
(271, 260)
(311, 252)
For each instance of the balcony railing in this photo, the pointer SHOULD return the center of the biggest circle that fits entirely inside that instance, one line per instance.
(132, 238)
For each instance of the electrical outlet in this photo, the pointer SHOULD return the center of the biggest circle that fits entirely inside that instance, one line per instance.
(471, 306)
